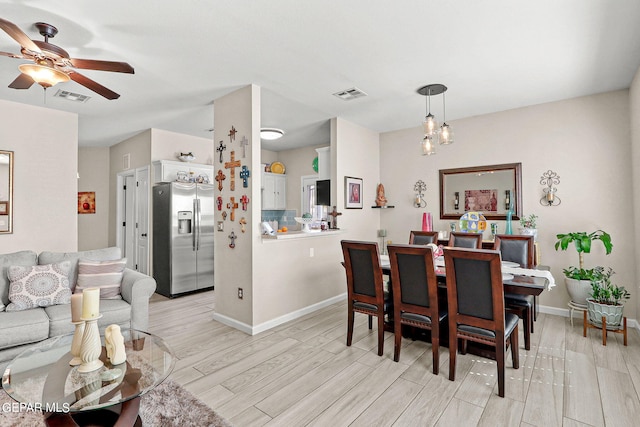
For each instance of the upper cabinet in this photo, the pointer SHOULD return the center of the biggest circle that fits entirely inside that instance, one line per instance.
(274, 191)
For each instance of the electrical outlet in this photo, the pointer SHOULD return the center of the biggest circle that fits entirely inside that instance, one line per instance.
(311, 253)
(240, 293)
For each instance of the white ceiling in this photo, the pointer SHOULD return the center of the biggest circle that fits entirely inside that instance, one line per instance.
(493, 55)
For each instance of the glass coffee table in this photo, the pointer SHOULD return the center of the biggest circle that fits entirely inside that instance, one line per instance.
(42, 378)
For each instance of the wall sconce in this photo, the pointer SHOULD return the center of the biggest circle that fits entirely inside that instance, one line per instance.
(419, 188)
(507, 199)
(456, 201)
(549, 179)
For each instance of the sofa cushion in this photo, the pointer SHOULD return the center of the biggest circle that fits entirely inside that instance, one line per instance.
(97, 254)
(106, 275)
(112, 310)
(23, 327)
(16, 258)
(38, 286)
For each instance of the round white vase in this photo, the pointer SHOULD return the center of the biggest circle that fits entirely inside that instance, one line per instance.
(529, 232)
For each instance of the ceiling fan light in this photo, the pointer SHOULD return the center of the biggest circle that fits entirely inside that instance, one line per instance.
(271, 134)
(44, 75)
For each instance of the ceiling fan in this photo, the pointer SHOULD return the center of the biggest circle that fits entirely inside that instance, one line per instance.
(52, 64)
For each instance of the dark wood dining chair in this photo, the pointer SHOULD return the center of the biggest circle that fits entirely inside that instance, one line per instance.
(423, 237)
(519, 249)
(365, 289)
(465, 240)
(476, 311)
(415, 295)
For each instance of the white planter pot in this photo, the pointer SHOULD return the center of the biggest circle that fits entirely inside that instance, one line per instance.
(579, 291)
(529, 232)
(611, 313)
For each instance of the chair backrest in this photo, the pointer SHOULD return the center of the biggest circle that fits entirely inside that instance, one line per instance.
(364, 275)
(413, 277)
(465, 240)
(475, 292)
(423, 237)
(516, 248)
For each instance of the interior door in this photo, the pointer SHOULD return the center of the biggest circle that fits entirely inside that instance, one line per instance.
(129, 228)
(142, 220)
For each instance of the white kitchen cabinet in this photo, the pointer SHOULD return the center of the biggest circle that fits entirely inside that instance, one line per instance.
(167, 170)
(274, 191)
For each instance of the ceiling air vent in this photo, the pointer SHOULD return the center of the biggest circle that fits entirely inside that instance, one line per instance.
(349, 94)
(76, 97)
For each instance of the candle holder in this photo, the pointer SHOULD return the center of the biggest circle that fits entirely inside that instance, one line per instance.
(76, 344)
(91, 346)
(549, 179)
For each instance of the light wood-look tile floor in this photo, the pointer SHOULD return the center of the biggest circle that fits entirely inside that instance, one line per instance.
(302, 373)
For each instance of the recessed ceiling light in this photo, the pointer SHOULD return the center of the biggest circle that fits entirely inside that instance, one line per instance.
(271, 133)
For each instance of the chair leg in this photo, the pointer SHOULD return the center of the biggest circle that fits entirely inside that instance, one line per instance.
(397, 331)
(349, 327)
(515, 351)
(453, 349)
(500, 351)
(535, 308)
(527, 322)
(533, 314)
(435, 349)
(463, 347)
(380, 333)
(370, 322)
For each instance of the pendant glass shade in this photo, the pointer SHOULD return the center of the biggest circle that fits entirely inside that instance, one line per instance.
(446, 135)
(428, 146)
(430, 125)
(44, 75)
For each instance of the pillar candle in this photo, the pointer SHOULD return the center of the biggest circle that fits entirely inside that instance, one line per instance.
(90, 303)
(76, 307)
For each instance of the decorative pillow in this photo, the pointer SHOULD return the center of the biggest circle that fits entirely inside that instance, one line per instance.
(106, 275)
(38, 286)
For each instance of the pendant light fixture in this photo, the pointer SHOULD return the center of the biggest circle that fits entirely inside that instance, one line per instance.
(432, 132)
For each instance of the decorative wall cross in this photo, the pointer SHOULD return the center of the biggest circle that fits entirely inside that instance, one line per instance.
(220, 177)
(224, 215)
(220, 149)
(233, 238)
(245, 174)
(243, 143)
(232, 165)
(334, 220)
(233, 206)
(245, 201)
(243, 222)
(232, 134)
(219, 203)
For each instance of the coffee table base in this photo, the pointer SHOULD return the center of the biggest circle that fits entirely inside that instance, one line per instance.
(127, 417)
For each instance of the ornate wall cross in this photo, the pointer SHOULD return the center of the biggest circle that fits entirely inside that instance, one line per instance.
(243, 222)
(233, 238)
(219, 203)
(232, 165)
(334, 220)
(232, 134)
(243, 143)
(245, 174)
(245, 201)
(220, 149)
(220, 177)
(233, 206)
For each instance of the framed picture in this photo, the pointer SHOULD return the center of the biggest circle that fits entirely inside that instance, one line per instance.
(352, 192)
(4, 208)
(86, 202)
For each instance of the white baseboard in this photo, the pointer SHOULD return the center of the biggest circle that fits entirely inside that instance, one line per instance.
(253, 330)
(564, 312)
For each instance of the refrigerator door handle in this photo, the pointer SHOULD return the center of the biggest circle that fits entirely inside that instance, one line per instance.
(197, 231)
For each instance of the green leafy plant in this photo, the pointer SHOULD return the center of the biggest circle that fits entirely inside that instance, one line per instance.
(582, 243)
(529, 221)
(605, 292)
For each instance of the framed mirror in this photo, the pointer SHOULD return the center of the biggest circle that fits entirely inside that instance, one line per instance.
(6, 191)
(487, 189)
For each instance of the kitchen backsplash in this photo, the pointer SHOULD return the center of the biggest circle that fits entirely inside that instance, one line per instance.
(284, 218)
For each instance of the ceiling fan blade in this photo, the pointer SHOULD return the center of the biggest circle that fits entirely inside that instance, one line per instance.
(94, 86)
(23, 81)
(18, 35)
(92, 64)
(12, 55)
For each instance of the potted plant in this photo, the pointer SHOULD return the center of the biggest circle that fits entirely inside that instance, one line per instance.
(528, 224)
(579, 279)
(607, 300)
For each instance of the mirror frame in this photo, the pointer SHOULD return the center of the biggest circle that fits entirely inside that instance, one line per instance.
(10, 204)
(517, 185)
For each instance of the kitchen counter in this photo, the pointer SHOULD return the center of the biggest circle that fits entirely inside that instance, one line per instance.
(299, 235)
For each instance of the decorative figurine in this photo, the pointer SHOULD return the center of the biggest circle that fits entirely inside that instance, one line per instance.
(245, 201)
(232, 165)
(233, 238)
(220, 177)
(114, 343)
(380, 199)
(243, 143)
(233, 206)
(220, 149)
(245, 174)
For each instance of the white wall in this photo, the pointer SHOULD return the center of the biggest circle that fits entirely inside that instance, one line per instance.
(45, 146)
(585, 140)
(93, 168)
(167, 145)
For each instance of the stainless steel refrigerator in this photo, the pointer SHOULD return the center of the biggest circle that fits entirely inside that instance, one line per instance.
(183, 230)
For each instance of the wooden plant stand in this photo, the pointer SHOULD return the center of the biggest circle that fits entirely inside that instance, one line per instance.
(587, 324)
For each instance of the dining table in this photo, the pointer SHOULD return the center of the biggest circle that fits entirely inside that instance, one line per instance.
(517, 280)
